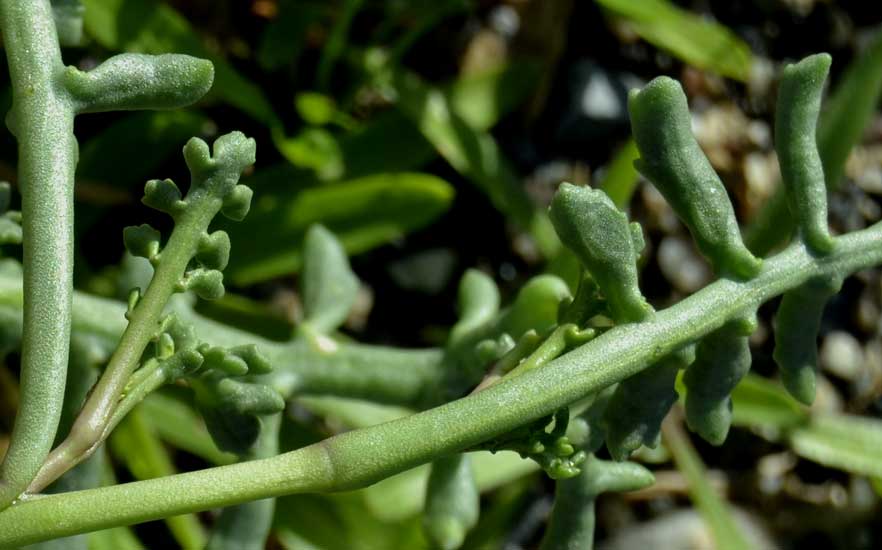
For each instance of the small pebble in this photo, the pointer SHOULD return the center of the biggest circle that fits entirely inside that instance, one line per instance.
(842, 355)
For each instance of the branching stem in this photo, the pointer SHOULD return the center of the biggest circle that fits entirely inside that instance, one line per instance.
(361, 457)
(91, 425)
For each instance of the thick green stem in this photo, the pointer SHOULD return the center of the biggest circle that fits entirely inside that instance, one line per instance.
(42, 121)
(406, 377)
(359, 458)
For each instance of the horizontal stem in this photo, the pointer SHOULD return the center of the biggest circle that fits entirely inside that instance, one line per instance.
(361, 457)
(394, 376)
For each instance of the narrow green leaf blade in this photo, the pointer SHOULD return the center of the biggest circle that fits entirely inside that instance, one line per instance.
(697, 41)
(712, 508)
(474, 154)
(363, 213)
(620, 179)
(846, 442)
(137, 446)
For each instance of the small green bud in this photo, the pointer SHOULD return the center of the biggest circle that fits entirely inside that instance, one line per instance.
(218, 173)
(182, 364)
(142, 240)
(183, 334)
(258, 363)
(598, 233)
(237, 203)
(213, 251)
(208, 284)
(132, 301)
(222, 360)
(165, 346)
(197, 155)
(163, 195)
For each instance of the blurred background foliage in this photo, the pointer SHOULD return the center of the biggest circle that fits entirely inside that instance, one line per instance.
(429, 136)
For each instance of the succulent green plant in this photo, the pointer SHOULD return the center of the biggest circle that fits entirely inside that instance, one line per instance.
(508, 378)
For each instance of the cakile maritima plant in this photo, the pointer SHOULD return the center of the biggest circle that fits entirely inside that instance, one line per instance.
(554, 376)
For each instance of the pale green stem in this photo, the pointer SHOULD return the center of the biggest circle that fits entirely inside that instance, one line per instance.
(407, 377)
(42, 121)
(91, 426)
(362, 457)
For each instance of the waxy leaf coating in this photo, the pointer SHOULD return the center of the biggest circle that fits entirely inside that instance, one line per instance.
(796, 333)
(673, 161)
(131, 81)
(722, 359)
(796, 117)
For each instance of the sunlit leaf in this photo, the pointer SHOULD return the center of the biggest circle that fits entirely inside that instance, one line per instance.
(362, 213)
(698, 41)
(620, 178)
(475, 155)
(714, 510)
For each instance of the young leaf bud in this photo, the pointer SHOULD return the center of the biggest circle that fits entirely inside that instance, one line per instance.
(598, 233)
(257, 362)
(214, 250)
(237, 203)
(142, 240)
(222, 360)
(163, 195)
